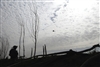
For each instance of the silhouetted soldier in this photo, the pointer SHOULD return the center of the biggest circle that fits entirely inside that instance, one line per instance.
(13, 53)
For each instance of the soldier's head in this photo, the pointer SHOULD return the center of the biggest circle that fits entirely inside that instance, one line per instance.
(14, 47)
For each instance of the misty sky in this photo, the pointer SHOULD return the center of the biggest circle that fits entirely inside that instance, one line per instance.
(63, 25)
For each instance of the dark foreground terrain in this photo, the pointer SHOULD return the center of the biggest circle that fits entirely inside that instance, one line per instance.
(60, 59)
(76, 60)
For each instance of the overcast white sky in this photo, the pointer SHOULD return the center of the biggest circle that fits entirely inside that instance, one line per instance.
(75, 23)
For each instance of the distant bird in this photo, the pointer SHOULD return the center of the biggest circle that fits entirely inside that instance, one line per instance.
(53, 30)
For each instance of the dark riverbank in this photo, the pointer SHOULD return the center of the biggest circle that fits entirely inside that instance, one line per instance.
(75, 60)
